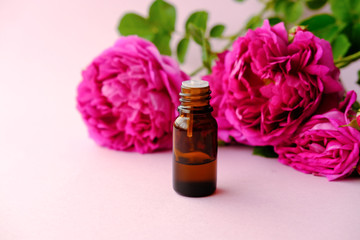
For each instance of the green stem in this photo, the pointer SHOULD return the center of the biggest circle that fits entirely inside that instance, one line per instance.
(343, 62)
(225, 37)
(196, 71)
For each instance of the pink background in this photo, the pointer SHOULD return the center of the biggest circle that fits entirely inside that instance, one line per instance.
(55, 183)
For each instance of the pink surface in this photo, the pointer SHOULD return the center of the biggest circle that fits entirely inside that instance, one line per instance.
(55, 183)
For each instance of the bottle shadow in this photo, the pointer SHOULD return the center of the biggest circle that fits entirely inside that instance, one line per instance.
(219, 191)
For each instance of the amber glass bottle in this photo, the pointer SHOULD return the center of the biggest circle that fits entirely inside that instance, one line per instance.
(195, 142)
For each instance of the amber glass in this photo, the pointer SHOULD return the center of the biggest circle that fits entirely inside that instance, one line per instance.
(194, 144)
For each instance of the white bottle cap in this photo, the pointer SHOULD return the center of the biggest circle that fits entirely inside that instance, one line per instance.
(195, 83)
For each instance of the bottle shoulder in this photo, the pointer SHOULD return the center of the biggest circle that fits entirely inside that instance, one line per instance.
(199, 121)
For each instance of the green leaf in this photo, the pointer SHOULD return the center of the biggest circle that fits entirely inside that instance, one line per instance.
(340, 46)
(217, 30)
(265, 151)
(315, 4)
(196, 33)
(163, 15)
(280, 6)
(133, 24)
(324, 26)
(221, 143)
(198, 19)
(356, 32)
(353, 124)
(162, 42)
(274, 20)
(319, 21)
(358, 81)
(346, 10)
(239, 0)
(182, 49)
(206, 59)
(293, 11)
(341, 10)
(254, 22)
(356, 106)
(355, 38)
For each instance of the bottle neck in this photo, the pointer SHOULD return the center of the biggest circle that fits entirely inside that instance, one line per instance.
(195, 100)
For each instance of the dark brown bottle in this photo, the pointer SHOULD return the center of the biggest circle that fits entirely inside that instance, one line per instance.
(195, 142)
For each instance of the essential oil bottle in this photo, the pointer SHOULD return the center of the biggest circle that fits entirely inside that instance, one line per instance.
(195, 142)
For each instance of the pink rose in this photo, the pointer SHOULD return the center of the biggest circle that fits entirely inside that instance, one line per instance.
(323, 146)
(270, 85)
(218, 81)
(129, 95)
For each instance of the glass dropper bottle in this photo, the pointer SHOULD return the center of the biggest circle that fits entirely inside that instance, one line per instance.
(195, 142)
